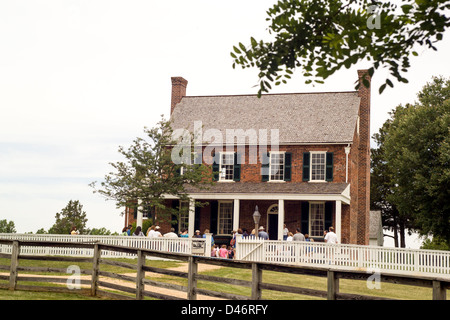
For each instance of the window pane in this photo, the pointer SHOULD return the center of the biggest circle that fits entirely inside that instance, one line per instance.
(183, 219)
(277, 166)
(226, 170)
(318, 166)
(317, 216)
(225, 218)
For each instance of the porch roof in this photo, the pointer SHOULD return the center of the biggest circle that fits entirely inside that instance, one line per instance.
(279, 190)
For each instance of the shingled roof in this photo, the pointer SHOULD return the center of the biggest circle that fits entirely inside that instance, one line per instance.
(328, 117)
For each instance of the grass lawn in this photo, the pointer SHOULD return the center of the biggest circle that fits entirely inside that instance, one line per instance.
(388, 290)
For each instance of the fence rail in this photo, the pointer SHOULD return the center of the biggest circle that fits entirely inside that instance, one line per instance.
(195, 246)
(100, 279)
(341, 255)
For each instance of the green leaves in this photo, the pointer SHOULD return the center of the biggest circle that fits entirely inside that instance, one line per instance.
(321, 37)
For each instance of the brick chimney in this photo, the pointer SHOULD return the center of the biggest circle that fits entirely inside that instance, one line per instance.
(179, 85)
(364, 159)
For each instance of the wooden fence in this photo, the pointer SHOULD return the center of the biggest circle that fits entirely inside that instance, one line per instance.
(97, 282)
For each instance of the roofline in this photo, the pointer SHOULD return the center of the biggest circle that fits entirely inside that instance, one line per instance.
(269, 94)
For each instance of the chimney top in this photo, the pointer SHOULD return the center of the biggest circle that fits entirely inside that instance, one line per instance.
(179, 85)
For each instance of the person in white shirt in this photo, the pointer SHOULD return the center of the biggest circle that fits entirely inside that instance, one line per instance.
(157, 234)
(171, 234)
(331, 237)
(151, 232)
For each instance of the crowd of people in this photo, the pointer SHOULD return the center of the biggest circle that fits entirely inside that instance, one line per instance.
(228, 251)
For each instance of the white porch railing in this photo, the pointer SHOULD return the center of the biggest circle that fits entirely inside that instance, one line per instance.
(174, 245)
(371, 258)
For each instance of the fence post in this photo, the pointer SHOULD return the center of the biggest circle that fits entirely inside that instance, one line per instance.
(140, 275)
(256, 281)
(95, 269)
(192, 279)
(439, 291)
(14, 264)
(332, 285)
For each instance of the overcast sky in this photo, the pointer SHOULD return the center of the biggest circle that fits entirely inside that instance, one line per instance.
(80, 78)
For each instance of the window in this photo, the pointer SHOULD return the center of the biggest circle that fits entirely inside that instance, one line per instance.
(183, 218)
(317, 218)
(276, 166)
(225, 218)
(318, 164)
(226, 167)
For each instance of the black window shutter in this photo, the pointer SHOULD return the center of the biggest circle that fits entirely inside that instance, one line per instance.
(213, 216)
(175, 206)
(328, 214)
(215, 168)
(237, 167)
(265, 166)
(329, 167)
(304, 223)
(287, 166)
(306, 164)
(197, 218)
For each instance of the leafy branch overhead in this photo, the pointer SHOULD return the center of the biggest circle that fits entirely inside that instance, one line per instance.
(321, 37)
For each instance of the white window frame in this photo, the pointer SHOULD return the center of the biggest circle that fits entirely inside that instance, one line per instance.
(221, 178)
(321, 220)
(324, 153)
(220, 218)
(270, 165)
(183, 218)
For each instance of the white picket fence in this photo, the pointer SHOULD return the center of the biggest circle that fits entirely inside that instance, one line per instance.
(398, 260)
(174, 245)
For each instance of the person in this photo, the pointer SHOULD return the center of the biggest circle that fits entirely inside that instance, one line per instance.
(197, 234)
(171, 234)
(138, 232)
(157, 234)
(223, 252)
(324, 234)
(331, 237)
(285, 232)
(151, 231)
(290, 236)
(244, 233)
(253, 234)
(230, 252)
(262, 234)
(212, 238)
(233, 239)
(215, 251)
(74, 231)
(184, 234)
(298, 236)
(129, 229)
(124, 231)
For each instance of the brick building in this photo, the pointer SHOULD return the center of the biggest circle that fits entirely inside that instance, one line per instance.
(302, 158)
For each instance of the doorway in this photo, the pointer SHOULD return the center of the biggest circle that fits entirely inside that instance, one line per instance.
(272, 222)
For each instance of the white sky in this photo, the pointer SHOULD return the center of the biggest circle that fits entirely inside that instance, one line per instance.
(80, 78)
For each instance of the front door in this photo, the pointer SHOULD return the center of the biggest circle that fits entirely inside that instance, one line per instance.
(273, 226)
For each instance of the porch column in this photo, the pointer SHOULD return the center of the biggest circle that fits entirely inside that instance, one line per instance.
(338, 220)
(191, 221)
(236, 215)
(140, 215)
(280, 218)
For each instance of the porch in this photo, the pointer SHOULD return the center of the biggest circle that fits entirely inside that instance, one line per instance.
(312, 207)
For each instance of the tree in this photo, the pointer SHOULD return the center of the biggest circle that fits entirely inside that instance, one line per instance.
(321, 37)
(380, 188)
(416, 152)
(7, 227)
(153, 169)
(71, 215)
